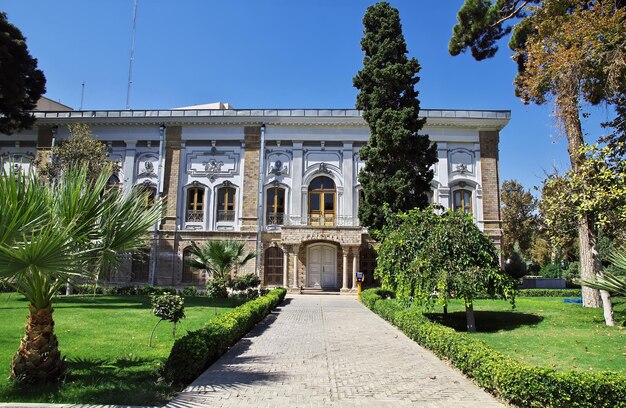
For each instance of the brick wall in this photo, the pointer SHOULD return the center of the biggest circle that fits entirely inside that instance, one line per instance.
(489, 160)
(252, 139)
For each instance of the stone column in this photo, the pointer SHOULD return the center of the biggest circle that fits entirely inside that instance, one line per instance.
(285, 267)
(355, 265)
(344, 286)
(296, 248)
(44, 142)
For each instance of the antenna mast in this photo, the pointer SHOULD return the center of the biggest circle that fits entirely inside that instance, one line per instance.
(82, 96)
(132, 56)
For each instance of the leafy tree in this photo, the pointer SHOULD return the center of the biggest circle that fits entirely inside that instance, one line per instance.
(167, 307)
(398, 160)
(596, 191)
(515, 265)
(422, 253)
(519, 219)
(52, 232)
(79, 149)
(21, 83)
(220, 258)
(566, 51)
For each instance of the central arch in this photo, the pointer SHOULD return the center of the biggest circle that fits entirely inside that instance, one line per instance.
(322, 201)
(321, 266)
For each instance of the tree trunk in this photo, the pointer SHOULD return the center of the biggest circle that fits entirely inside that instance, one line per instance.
(567, 105)
(38, 359)
(469, 317)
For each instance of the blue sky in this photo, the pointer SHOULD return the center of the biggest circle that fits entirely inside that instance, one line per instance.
(272, 54)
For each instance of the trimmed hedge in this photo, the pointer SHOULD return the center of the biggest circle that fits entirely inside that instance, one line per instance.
(549, 293)
(194, 352)
(500, 374)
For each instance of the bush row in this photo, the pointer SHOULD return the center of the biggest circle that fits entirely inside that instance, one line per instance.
(549, 293)
(497, 373)
(194, 352)
(90, 289)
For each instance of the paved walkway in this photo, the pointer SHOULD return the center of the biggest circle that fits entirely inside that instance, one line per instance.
(330, 351)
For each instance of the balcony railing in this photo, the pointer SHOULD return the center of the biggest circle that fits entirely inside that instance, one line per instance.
(322, 221)
(275, 219)
(225, 216)
(194, 216)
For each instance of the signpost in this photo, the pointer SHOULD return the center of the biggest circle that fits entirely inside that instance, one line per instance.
(360, 278)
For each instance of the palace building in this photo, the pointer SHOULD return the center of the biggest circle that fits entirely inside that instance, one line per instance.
(284, 181)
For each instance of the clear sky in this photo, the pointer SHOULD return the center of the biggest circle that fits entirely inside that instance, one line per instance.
(272, 54)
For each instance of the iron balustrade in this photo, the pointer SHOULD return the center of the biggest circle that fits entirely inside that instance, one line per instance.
(194, 216)
(225, 216)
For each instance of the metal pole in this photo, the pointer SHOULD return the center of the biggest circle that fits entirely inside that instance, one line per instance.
(132, 56)
(159, 190)
(260, 220)
(82, 96)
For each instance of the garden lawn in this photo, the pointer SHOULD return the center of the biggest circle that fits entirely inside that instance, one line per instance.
(105, 341)
(545, 331)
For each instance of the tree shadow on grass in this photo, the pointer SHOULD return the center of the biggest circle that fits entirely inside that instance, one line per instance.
(487, 321)
(126, 380)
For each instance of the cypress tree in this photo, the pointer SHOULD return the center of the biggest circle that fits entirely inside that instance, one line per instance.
(398, 160)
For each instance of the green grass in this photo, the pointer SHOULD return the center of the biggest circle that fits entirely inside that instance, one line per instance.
(545, 331)
(105, 341)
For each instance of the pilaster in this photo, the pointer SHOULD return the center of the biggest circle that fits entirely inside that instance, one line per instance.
(250, 188)
(489, 162)
(171, 176)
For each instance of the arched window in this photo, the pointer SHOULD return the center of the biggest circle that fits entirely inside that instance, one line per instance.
(190, 274)
(322, 201)
(113, 183)
(140, 269)
(195, 204)
(150, 193)
(275, 206)
(462, 201)
(226, 204)
(273, 266)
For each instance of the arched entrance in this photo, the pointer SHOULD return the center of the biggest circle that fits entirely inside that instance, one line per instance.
(322, 266)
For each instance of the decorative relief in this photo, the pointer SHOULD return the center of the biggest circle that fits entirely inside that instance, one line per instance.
(461, 161)
(146, 165)
(17, 162)
(329, 158)
(278, 163)
(213, 164)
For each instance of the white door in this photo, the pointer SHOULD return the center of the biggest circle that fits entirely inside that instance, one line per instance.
(322, 266)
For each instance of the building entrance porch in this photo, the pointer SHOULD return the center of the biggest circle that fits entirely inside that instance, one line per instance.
(322, 266)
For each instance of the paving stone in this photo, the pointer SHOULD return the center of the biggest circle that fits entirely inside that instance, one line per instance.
(330, 351)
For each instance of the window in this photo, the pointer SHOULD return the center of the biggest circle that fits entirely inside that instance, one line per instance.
(195, 204)
(275, 206)
(113, 183)
(226, 204)
(462, 201)
(140, 269)
(322, 201)
(273, 266)
(190, 274)
(150, 193)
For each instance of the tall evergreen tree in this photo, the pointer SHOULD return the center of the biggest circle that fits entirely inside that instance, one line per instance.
(397, 159)
(21, 83)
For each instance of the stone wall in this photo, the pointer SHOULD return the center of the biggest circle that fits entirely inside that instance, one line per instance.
(489, 160)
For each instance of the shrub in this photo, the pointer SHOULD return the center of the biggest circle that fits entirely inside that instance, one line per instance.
(156, 290)
(189, 291)
(167, 307)
(549, 293)
(194, 352)
(551, 271)
(216, 288)
(500, 374)
(4, 287)
(244, 282)
(515, 266)
(88, 289)
(121, 290)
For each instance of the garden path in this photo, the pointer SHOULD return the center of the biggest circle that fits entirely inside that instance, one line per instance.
(321, 350)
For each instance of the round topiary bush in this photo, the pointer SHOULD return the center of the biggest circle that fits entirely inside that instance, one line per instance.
(167, 307)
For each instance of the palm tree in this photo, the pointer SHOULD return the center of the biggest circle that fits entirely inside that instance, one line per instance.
(54, 232)
(609, 282)
(219, 258)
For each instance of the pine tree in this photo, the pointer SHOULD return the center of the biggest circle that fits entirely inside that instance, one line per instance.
(397, 159)
(21, 83)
